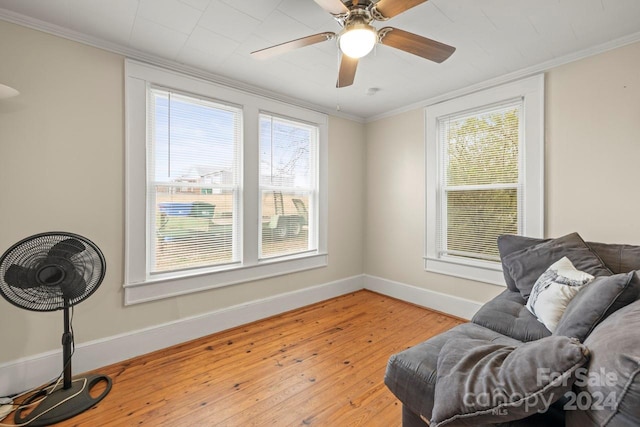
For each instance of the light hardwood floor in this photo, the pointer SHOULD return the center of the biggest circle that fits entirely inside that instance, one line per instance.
(321, 365)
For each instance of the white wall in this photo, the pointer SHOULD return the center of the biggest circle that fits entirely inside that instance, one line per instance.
(593, 147)
(592, 173)
(62, 168)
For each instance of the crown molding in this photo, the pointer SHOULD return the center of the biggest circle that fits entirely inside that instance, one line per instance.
(128, 52)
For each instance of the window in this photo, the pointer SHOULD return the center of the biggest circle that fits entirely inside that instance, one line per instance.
(288, 153)
(484, 177)
(480, 183)
(193, 153)
(222, 186)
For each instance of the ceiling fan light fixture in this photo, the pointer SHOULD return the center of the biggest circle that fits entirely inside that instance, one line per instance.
(358, 40)
(358, 37)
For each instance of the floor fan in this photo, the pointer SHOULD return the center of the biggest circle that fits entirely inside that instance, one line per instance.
(48, 272)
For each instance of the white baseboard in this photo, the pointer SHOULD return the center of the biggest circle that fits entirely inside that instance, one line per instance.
(32, 371)
(445, 303)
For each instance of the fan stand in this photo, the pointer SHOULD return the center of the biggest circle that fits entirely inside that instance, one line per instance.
(67, 400)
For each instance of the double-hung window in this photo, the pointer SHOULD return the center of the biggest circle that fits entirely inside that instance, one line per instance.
(222, 186)
(288, 186)
(193, 177)
(484, 177)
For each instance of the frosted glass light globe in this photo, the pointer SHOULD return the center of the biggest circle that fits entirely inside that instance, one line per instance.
(358, 40)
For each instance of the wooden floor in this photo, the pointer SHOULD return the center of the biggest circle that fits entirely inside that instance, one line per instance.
(321, 365)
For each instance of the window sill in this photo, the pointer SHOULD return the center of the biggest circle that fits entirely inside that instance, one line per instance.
(158, 288)
(480, 271)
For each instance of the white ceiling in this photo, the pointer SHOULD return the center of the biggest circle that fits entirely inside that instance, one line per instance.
(493, 38)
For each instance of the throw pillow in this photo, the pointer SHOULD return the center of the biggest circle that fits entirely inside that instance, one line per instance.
(609, 393)
(509, 243)
(554, 290)
(480, 382)
(601, 298)
(526, 265)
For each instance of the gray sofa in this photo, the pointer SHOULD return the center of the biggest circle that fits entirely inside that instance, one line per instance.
(603, 325)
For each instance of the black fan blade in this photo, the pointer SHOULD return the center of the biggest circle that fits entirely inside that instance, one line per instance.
(66, 248)
(415, 44)
(334, 7)
(348, 66)
(390, 8)
(293, 44)
(73, 286)
(21, 277)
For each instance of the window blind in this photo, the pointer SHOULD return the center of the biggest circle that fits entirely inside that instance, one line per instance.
(480, 180)
(193, 176)
(288, 186)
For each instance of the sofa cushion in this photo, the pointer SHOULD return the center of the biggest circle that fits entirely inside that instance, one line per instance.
(601, 298)
(508, 315)
(411, 374)
(509, 243)
(618, 258)
(614, 374)
(481, 382)
(554, 290)
(526, 265)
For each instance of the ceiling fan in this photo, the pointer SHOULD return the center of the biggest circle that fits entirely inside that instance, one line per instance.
(358, 36)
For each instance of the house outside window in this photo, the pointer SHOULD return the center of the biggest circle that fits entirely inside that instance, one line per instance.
(222, 186)
(484, 177)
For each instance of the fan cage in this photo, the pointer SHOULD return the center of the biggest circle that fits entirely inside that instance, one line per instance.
(32, 252)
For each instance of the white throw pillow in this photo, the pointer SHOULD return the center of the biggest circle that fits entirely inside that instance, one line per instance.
(553, 291)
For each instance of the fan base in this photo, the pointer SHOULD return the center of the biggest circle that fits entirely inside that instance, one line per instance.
(63, 404)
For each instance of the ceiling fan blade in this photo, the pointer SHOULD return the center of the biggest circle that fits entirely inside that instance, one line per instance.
(21, 277)
(347, 72)
(66, 248)
(391, 8)
(293, 44)
(415, 44)
(334, 7)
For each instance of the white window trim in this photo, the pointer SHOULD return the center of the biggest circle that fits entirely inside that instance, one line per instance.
(139, 286)
(531, 90)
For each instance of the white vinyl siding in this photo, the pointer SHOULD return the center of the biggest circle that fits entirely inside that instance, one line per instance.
(484, 162)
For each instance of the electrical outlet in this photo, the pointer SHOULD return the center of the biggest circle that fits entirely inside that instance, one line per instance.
(5, 410)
